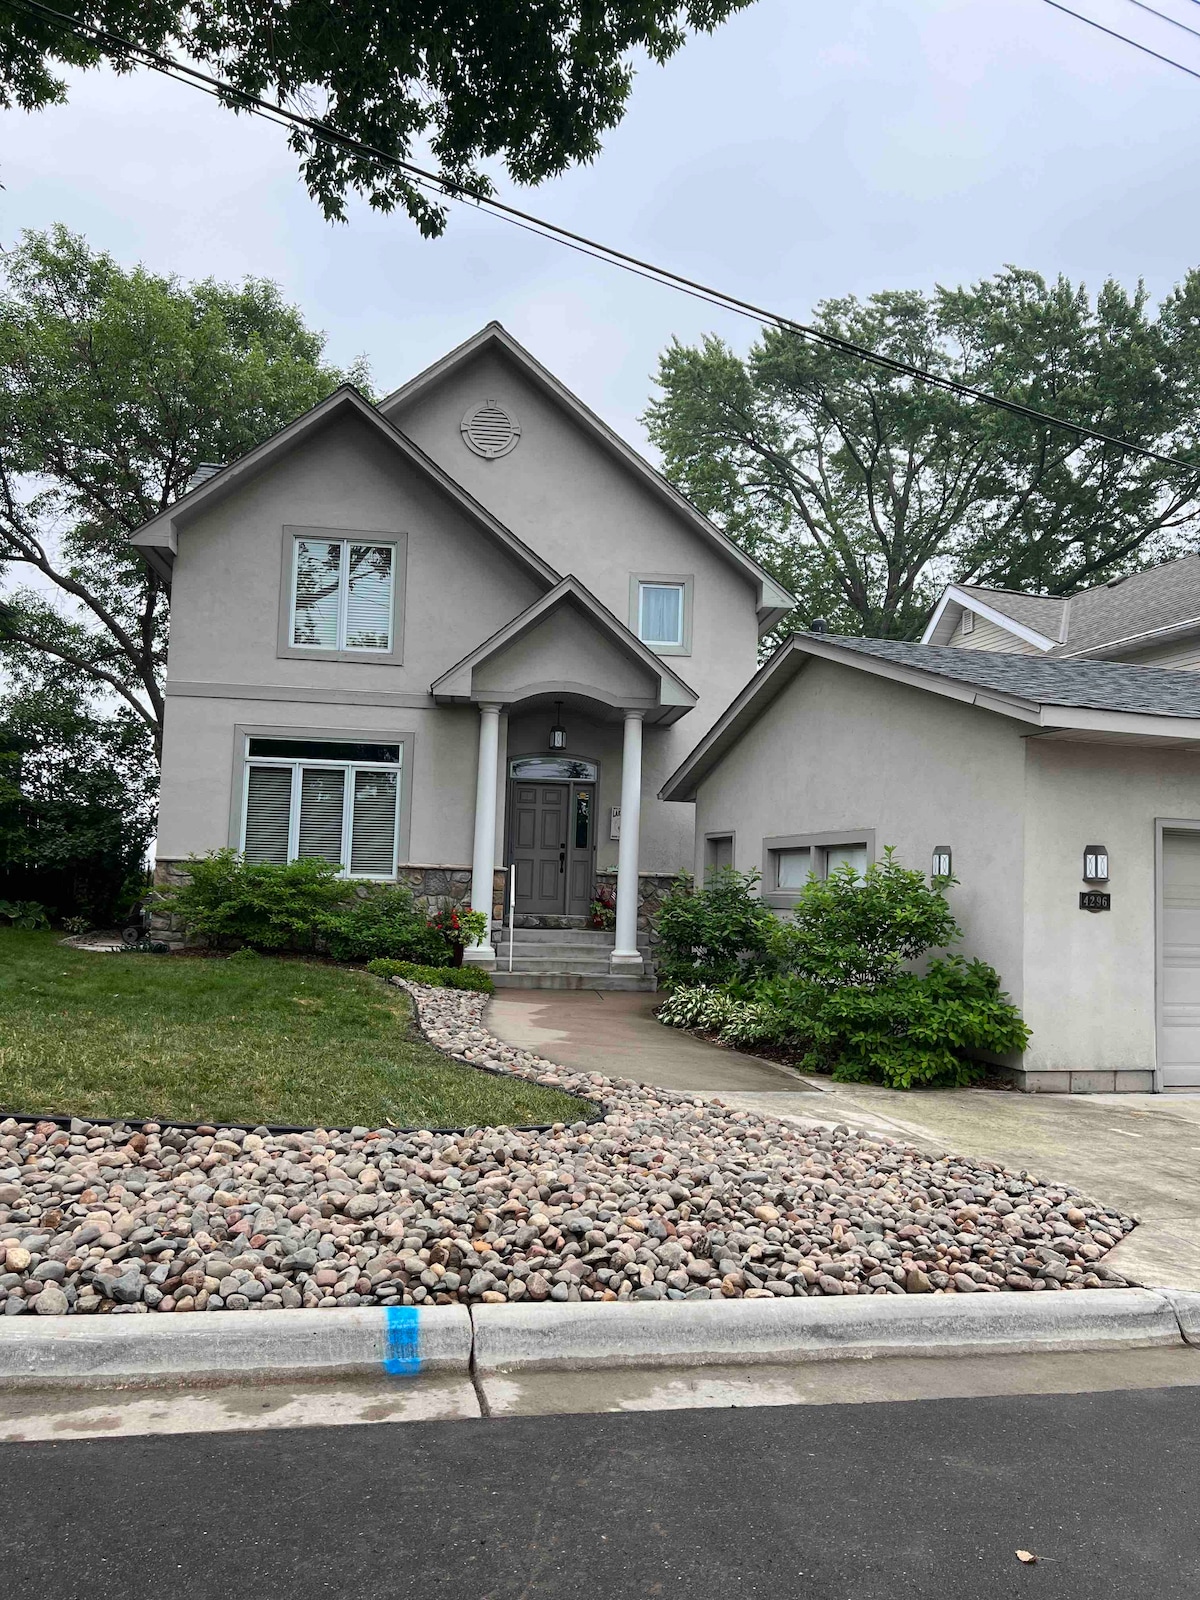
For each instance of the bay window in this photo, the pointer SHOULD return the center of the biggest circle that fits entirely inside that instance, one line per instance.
(337, 802)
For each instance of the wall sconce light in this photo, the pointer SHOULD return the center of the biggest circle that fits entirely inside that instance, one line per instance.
(558, 734)
(1095, 863)
(941, 861)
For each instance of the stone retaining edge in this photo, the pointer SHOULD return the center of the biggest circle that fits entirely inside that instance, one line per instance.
(413, 1342)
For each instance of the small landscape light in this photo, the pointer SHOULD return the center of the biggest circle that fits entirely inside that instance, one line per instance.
(1095, 863)
(941, 861)
(558, 734)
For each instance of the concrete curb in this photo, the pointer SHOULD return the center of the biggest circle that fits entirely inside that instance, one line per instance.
(406, 1341)
(1186, 1305)
(414, 1342)
(520, 1338)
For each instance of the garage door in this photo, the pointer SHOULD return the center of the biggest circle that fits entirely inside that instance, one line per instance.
(1179, 1035)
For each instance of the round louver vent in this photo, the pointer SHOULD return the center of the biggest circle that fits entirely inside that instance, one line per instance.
(490, 430)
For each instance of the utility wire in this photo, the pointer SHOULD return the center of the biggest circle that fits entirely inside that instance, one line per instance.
(1112, 33)
(1163, 17)
(282, 116)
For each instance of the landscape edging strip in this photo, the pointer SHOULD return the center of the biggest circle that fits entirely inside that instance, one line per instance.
(410, 1342)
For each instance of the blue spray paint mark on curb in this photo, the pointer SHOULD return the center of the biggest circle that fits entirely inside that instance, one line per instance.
(402, 1357)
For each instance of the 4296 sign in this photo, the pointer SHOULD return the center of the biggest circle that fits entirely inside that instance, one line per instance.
(1095, 900)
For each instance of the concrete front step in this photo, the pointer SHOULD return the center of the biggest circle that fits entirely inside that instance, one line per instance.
(644, 983)
(583, 968)
(576, 936)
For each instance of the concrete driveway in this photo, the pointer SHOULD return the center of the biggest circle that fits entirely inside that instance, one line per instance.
(1138, 1152)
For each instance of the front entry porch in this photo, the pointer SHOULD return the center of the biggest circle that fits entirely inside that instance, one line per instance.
(562, 694)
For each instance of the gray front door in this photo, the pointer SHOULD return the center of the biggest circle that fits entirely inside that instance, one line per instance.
(1179, 976)
(552, 833)
(539, 847)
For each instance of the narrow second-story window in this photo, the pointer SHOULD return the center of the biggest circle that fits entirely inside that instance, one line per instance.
(342, 595)
(660, 614)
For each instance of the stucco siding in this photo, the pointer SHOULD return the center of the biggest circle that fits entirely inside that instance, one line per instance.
(566, 648)
(460, 586)
(841, 751)
(202, 764)
(1090, 976)
(587, 514)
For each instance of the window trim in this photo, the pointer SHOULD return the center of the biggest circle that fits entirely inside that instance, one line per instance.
(785, 899)
(677, 580)
(285, 649)
(720, 833)
(242, 761)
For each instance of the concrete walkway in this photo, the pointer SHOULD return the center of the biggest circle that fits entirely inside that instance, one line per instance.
(1140, 1153)
(616, 1033)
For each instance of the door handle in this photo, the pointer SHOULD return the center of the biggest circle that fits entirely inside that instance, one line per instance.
(562, 857)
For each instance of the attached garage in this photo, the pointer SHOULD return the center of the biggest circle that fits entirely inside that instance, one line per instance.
(1066, 794)
(1179, 956)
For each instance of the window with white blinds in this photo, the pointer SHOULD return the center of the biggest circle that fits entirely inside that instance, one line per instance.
(347, 812)
(343, 595)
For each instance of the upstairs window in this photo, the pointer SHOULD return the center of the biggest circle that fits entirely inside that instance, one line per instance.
(342, 595)
(311, 798)
(660, 614)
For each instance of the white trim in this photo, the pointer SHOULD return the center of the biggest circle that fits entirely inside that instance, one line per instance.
(959, 597)
(297, 765)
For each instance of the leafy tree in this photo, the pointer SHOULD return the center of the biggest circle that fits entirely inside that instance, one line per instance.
(864, 491)
(533, 82)
(114, 386)
(77, 789)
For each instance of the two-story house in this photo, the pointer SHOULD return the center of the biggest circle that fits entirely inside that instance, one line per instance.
(463, 631)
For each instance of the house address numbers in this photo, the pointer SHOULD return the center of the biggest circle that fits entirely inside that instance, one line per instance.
(1095, 900)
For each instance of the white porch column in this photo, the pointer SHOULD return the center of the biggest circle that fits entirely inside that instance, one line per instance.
(483, 860)
(626, 956)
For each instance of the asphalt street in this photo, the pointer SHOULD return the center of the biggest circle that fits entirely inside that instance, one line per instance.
(929, 1499)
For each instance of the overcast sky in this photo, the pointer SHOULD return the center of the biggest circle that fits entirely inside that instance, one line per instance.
(804, 150)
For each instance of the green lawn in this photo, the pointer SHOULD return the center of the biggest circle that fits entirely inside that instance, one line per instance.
(235, 1042)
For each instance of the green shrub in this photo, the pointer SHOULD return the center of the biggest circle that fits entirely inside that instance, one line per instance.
(843, 996)
(473, 978)
(244, 954)
(864, 929)
(28, 914)
(715, 934)
(385, 921)
(270, 907)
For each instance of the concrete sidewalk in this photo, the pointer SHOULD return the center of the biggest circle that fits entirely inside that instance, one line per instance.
(615, 1033)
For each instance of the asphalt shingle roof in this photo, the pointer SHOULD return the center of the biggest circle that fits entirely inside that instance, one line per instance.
(1044, 680)
(1041, 612)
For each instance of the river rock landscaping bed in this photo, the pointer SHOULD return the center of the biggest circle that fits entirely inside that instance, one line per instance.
(666, 1196)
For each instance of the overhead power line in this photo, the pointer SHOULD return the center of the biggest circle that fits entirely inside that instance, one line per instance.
(283, 116)
(1112, 33)
(1163, 17)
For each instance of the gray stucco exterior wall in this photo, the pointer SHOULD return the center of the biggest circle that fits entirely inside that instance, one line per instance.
(843, 752)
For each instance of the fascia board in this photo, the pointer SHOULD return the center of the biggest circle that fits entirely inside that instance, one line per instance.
(162, 532)
(981, 609)
(771, 596)
(932, 683)
(1171, 631)
(1142, 724)
(938, 614)
(673, 691)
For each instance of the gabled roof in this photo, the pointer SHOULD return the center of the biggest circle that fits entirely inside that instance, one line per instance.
(1035, 618)
(1074, 698)
(158, 538)
(1122, 614)
(774, 601)
(675, 697)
